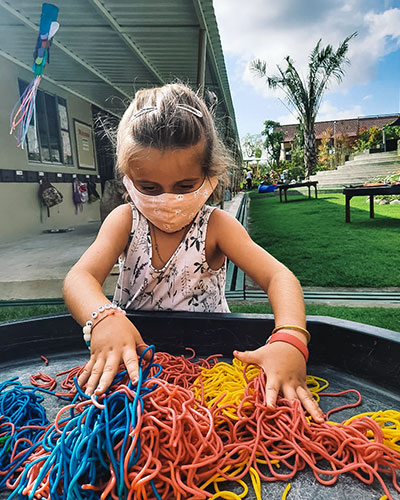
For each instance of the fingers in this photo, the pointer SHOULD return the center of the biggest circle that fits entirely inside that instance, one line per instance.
(310, 404)
(289, 393)
(95, 375)
(130, 360)
(110, 369)
(271, 392)
(84, 376)
(245, 356)
(140, 348)
(99, 373)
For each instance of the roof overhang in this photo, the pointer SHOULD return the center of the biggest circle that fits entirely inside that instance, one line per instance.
(105, 50)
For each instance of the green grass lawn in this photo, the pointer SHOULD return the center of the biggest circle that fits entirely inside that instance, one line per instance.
(9, 313)
(376, 316)
(312, 239)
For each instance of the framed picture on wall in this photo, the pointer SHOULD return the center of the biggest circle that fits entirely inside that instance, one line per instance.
(84, 145)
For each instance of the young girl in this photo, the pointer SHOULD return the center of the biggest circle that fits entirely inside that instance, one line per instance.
(174, 248)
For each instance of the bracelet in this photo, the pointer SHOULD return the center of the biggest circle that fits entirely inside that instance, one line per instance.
(289, 339)
(108, 309)
(293, 327)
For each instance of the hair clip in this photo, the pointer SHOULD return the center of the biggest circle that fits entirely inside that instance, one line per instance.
(191, 109)
(143, 111)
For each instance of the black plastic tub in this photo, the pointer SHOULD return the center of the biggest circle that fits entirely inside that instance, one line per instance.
(346, 353)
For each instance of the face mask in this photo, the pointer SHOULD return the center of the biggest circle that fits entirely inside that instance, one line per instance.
(171, 212)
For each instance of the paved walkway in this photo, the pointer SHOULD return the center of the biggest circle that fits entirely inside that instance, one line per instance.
(35, 267)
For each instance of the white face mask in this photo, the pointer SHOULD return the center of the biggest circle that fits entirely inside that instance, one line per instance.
(168, 211)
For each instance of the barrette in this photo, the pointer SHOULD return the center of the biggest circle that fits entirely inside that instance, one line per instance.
(143, 111)
(191, 109)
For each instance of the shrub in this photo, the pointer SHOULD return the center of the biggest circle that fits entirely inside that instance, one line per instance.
(392, 132)
(369, 138)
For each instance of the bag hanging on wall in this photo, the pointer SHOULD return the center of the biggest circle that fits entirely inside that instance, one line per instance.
(92, 191)
(80, 194)
(49, 195)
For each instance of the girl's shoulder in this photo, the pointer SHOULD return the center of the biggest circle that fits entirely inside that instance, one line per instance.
(122, 213)
(223, 226)
(118, 221)
(219, 216)
(218, 221)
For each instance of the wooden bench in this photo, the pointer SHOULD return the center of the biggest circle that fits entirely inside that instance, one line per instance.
(286, 186)
(370, 191)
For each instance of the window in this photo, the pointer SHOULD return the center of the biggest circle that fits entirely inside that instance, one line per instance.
(48, 139)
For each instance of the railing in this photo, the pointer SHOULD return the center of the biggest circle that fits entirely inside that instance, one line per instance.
(235, 277)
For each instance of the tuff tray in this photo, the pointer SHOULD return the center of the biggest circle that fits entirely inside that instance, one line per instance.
(347, 354)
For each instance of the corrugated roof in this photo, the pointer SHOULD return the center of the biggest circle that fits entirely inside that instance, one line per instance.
(107, 49)
(351, 126)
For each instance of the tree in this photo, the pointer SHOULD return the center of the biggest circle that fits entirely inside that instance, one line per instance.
(305, 96)
(297, 153)
(324, 156)
(252, 145)
(273, 139)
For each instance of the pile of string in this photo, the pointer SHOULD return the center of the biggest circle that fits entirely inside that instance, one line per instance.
(183, 433)
(22, 423)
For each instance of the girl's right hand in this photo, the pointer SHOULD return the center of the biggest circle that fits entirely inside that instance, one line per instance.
(114, 341)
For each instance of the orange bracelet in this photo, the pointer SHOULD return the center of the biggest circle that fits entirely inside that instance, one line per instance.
(88, 328)
(110, 312)
(289, 339)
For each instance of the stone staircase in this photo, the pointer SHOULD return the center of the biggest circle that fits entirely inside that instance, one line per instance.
(362, 168)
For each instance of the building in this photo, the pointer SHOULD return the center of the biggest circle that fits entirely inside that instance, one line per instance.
(103, 52)
(351, 127)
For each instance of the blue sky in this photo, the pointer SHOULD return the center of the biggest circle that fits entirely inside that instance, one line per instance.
(271, 30)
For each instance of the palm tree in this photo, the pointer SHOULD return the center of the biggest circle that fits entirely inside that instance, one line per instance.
(305, 96)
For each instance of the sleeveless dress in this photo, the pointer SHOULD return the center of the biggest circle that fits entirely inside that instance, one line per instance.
(185, 283)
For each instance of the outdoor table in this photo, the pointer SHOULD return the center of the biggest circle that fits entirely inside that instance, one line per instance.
(370, 191)
(284, 187)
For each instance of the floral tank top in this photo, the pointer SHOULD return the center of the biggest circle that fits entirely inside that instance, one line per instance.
(185, 283)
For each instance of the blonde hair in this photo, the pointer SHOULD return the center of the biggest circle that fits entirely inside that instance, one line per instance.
(169, 126)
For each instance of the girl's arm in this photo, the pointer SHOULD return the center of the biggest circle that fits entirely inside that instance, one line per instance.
(284, 364)
(115, 338)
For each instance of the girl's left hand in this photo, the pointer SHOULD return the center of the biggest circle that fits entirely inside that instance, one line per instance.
(285, 369)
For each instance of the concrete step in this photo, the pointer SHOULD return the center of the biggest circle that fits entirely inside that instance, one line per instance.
(359, 163)
(349, 175)
(387, 154)
(380, 164)
(362, 168)
(358, 171)
(342, 180)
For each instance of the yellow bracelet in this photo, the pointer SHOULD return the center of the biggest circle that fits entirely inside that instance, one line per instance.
(293, 327)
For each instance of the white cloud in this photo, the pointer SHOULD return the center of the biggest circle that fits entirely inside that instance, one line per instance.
(287, 119)
(327, 112)
(330, 112)
(368, 97)
(273, 30)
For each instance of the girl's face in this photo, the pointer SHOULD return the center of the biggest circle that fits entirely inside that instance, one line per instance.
(179, 171)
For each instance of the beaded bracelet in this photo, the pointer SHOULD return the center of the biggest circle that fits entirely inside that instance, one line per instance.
(289, 339)
(293, 327)
(107, 309)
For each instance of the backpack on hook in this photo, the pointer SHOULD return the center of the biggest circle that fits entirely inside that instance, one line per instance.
(80, 194)
(49, 195)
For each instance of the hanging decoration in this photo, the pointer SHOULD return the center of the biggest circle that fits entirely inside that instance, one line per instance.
(24, 110)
